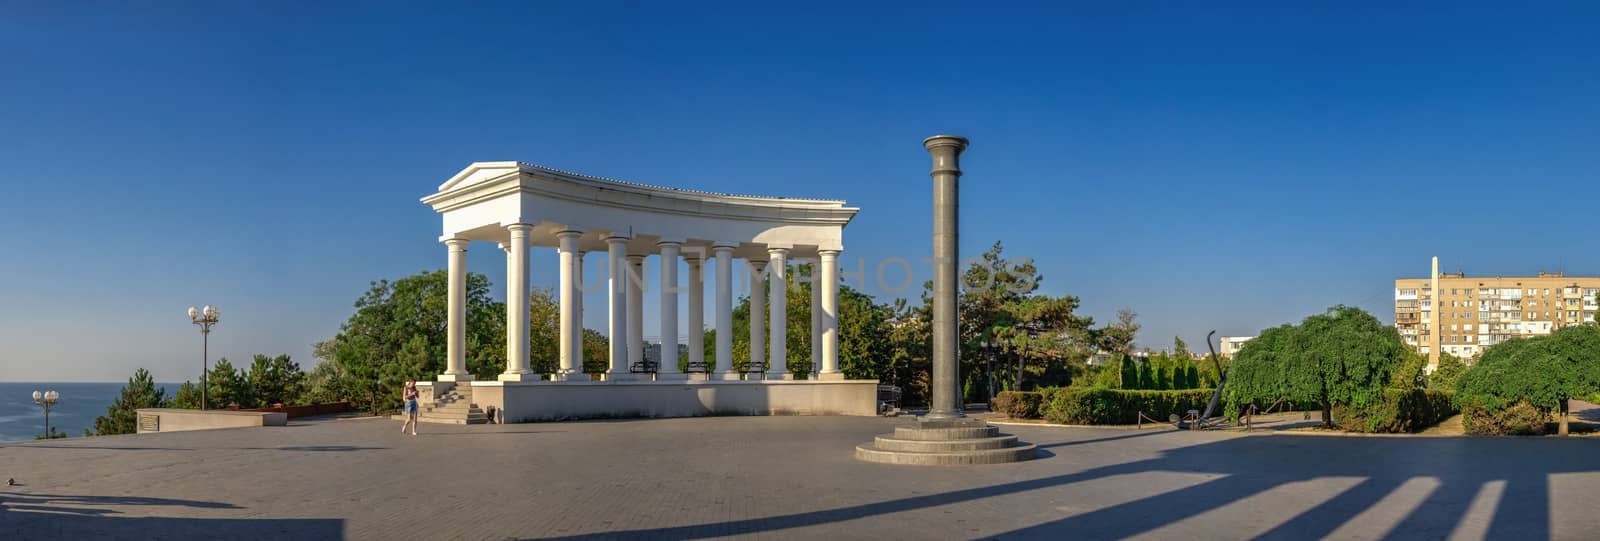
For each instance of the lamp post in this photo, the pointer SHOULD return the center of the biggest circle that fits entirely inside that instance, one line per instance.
(988, 371)
(46, 399)
(205, 318)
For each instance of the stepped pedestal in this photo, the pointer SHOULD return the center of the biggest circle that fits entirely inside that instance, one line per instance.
(946, 443)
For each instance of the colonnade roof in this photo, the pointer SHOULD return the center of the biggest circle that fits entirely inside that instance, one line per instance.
(485, 197)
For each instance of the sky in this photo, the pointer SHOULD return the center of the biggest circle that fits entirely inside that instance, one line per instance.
(1232, 166)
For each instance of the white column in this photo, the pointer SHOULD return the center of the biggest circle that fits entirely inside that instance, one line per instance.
(724, 308)
(777, 283)
(456, 326)
(635, 310)
(580, 287)
(816, 320)
(617, 278)
(518, 367)
(758, 310)
(571, 297)
(829, 283)
(697, 310)
(669, 308)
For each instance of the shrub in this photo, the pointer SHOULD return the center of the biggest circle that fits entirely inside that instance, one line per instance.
(1519, 419)
(1120, 407)
(1020, 404)
(1401, 411)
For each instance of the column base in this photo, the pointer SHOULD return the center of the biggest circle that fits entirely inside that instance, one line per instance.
(672, 376)
(724, 376)
(783, 376)
(455, 377)
(831, 376)
(572, 376)
(626, 376)
(520, 376)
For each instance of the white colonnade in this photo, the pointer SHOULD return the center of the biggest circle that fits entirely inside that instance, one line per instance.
(523, 206)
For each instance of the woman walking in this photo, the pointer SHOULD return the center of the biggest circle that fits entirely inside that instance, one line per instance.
(410, 395)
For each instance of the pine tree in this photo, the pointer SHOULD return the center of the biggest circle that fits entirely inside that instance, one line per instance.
(122, 417)
(1146, 378)
(187, 397)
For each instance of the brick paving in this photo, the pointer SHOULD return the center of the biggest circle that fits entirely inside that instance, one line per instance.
(786, 478)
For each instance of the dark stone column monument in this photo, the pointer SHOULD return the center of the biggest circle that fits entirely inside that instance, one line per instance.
(945, 436)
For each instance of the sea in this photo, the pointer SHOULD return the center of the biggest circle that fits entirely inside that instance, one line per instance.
(80, 403)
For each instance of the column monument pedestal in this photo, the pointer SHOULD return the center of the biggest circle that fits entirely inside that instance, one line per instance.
(945, 436)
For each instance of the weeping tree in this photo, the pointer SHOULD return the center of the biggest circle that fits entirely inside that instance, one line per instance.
(1542, 372)
(1343, 357)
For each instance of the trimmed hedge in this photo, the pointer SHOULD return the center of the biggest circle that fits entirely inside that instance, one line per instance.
(1519, 419)
(1410, 410)
(1100, 406)
(1019, 404)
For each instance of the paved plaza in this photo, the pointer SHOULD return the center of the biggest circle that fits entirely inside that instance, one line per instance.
(786, 478)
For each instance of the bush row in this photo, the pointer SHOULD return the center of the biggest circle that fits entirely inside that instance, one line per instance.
(1409, 410)
(1099, 406)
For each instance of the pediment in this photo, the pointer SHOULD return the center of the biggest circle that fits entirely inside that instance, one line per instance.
(478, 172)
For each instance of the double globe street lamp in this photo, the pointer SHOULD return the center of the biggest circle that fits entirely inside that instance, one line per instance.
(205, 318)
(46, 399)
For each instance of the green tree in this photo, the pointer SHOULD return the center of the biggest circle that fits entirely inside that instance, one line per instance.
(227, 386)
(275, 380)
(328, 382)
(1108, 376)
(1130, 372)
(1118, 337)
(1147, 380)
(1192, 376)
(187, 397)
(399, 330)
(1544, 371)
(122, 416)
(1448, 373)
(1160, 372)
(1343, 357)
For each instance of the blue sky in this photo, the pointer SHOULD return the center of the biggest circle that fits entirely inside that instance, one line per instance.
(1224, 167)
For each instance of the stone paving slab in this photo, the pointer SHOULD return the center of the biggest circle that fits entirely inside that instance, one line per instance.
(785, 478)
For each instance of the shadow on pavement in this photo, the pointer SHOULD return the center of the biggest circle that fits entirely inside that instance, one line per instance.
(28, 516)
(1503, 480)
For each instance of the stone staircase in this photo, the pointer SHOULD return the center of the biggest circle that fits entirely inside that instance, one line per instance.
(454, 407)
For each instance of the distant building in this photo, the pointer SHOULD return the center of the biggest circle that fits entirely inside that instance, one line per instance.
(1229, 345)
(1461, 314)
(652, 351)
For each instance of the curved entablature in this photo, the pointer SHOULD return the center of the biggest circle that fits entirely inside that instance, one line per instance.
(483, 199)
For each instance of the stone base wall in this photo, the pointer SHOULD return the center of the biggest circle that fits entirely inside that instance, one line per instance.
(522, 402)
(179, 420)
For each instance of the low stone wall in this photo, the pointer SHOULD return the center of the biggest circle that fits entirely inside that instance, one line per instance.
(521, 402)
(179, 420)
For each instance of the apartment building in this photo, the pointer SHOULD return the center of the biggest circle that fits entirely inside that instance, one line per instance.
(1230, 345)
(1461, 315)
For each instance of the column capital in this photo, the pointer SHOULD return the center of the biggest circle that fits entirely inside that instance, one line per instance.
(777, 251)
(616, 239)
(664, 243)
(635, 258)
(722, 249)
(457, 244)
(829, 252)
(758, 264)
(565, 233)
(519, 227)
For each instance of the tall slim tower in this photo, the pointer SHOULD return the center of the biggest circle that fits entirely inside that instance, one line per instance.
(1433, 322)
